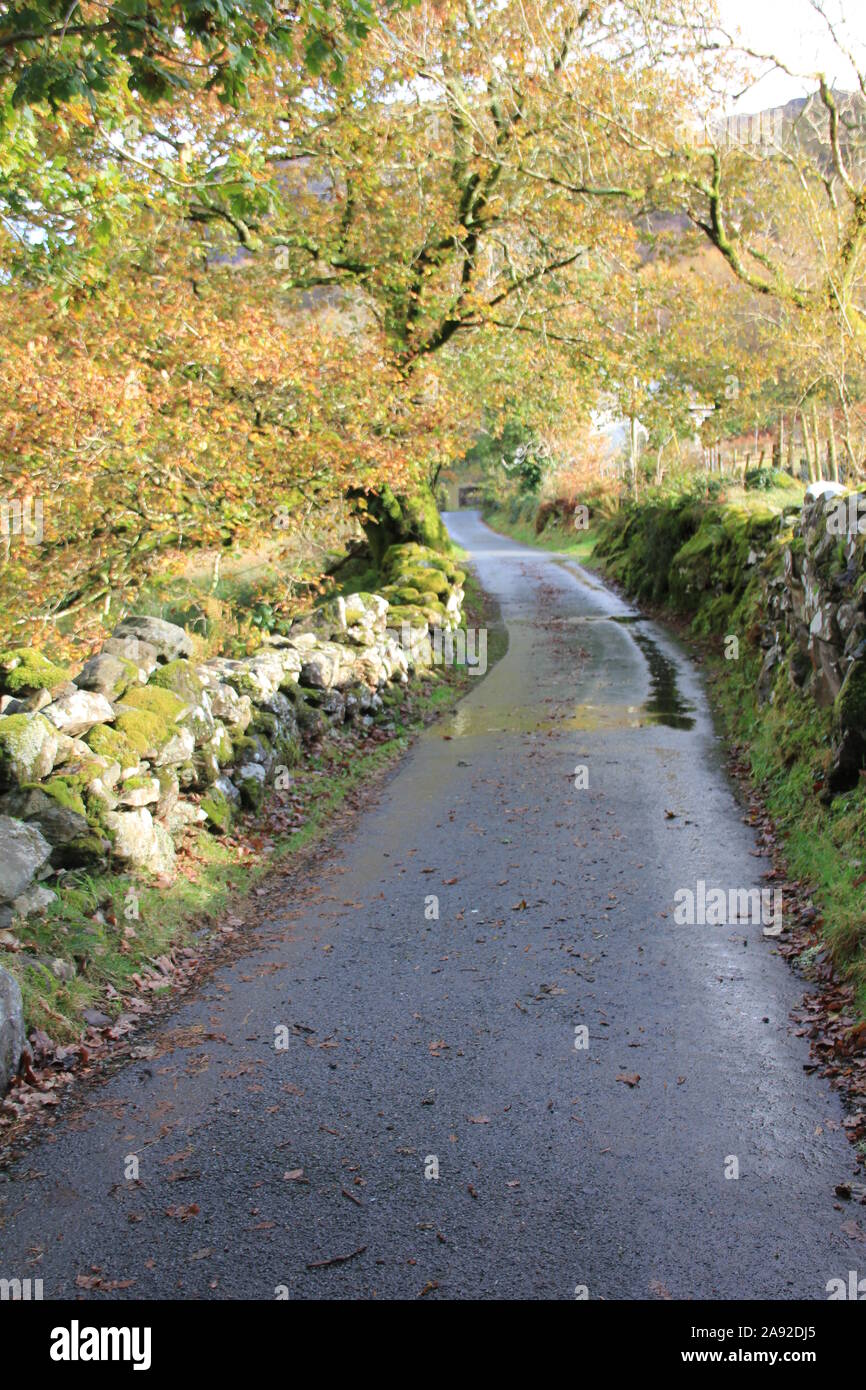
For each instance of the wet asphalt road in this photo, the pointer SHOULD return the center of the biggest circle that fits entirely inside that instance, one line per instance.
(413, 1039)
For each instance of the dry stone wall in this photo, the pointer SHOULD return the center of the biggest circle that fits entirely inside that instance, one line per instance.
(111, 766)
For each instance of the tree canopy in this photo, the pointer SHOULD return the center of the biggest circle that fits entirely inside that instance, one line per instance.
(258, 256)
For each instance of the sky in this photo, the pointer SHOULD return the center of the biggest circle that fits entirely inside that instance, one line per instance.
(798, 36)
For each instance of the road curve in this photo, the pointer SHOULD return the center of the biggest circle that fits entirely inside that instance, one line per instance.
(418, 1044)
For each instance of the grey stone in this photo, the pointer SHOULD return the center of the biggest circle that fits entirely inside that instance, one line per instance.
(59, 824)
(23, 851)
(182, 814)
(143, 654)
(233, 709)
(11, 1027)
(179, 749)
(107, 675)
(225, 785)
(30, 704)
(252, 772)
(145, 795)
(34, 900)
(139, 842)
(80, 712)
(168, 640)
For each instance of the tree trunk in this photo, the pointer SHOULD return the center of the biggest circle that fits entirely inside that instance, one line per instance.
(632, 456)
(816, 440)
(832, 455)
(807, 445)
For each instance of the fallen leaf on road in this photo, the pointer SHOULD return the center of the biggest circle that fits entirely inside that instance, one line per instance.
(183, 1213)
(630, 1080)
(336, 1259)
(658, 1288)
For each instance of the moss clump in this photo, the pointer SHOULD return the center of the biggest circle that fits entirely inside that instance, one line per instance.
(399, 560)
(287, 750)
(252, 792)
(851, 700)
(154, 700)
(85, 847)
(251, 749)
(108, 743)
(137, 783)
(24, 670)
(218, 809)
(401, 593)
(146, 733)
(263, 722)
(181, 679)
(66, 791)
(412, 614)
(427, 581)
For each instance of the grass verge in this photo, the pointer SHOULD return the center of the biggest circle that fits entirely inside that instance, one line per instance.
(785, 745)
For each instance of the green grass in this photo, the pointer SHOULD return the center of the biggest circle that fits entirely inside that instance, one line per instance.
(788, 744)
(577, 545)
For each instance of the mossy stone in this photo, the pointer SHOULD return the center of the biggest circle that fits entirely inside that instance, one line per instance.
(222, 745)
(426, 581)
(108, 742)
(28, 747)
(66, 791)
(401, 593)
(83, 849)
(155, 700)
(218, 809)
(145, 732)
(851, 700)
(181, 678)
(24, 671)
(263, 722)
(252, 792)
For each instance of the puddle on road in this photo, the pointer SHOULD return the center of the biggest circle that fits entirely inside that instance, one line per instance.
(664, 705)
(470, 722)
(665, 701)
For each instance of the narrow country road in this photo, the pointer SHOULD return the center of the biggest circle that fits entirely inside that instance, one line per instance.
(416, 1042)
